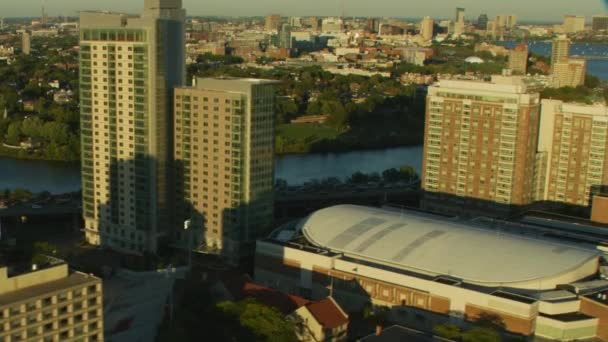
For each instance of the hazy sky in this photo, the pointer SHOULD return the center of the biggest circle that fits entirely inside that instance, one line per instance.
(524, 9)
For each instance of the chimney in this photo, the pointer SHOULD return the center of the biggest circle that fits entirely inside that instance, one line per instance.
(378, 330)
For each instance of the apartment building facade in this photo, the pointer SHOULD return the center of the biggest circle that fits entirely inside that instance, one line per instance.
(224, 153)
(50, 304)
(129, 66)
(480, 142)
(573, 147)
(566, 71)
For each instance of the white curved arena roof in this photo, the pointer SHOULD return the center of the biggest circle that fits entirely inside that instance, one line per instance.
(435, 246)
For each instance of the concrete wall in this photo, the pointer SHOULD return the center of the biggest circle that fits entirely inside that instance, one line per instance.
(600, 311)
(9, 284)
(565, 331)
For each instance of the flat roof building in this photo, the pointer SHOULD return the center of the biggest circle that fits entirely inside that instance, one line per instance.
(432, 269)
(480, 142)
(426, 28)
(599, 23)
(574, 23)
(129, 66)
(573, 147)
(50, 303)
(224, 153)
(518, 59)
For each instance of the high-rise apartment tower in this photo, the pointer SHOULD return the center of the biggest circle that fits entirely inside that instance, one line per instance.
(129, 66)
(224, 152)
(573, 147)
(426, 28)
(480, 142)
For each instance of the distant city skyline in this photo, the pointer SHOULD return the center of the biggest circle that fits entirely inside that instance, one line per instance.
(393, 8)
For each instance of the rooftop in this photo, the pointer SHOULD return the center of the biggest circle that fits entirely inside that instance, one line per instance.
(397, 333)
(436, 246)
(328, 313)
(75, 279)
(242, 287)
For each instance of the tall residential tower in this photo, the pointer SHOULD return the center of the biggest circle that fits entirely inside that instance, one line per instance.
(573, 151)
(224, 153)
(426, 28)
(566, 71)
(480, 143)
(129, 66)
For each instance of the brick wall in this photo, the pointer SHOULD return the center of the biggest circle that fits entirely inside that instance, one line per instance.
(518, 325)
(595, 309)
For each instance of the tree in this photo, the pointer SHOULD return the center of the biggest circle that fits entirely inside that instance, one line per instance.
(591, 81)
(358, 178)
(481, 335)
(408, 173)
(448, 330)
(491, 321)
(391, 175)
(13, 134)
(42, 249)
(258, 322)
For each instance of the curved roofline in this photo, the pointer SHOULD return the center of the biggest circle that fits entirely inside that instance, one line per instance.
(455, 228)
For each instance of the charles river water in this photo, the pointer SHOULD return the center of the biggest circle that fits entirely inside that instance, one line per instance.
(295, 169)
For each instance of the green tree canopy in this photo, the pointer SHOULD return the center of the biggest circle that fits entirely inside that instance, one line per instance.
(257, 322)
(448, 330)
(481, 335)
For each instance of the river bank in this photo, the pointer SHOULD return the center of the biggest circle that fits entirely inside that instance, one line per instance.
(296, 169)
(22, 154)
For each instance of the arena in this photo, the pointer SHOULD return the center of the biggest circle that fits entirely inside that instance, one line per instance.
(430, 269)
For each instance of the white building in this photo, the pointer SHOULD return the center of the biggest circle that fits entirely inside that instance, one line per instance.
(430, 269)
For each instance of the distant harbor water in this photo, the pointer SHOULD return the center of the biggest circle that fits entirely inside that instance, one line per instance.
(39, 176)
(595, 67)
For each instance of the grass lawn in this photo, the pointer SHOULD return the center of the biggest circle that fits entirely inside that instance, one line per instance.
(306, 132)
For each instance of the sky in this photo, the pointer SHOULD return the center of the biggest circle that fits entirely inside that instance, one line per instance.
(545, 10)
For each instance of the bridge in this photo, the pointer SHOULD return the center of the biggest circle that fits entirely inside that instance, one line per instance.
(72, 207)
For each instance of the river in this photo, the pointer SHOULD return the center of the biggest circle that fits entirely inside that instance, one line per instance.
(39, 176)
(295, 169)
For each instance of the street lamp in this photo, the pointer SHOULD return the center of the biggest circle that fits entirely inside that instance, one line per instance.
(187, 226)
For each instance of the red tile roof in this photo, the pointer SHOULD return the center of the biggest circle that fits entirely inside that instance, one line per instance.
(328, 313)
(286, 303)
(242, 287)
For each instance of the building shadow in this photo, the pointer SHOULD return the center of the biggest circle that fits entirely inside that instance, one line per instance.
(469, 207)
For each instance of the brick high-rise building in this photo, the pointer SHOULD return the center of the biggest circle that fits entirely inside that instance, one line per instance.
(224, 152)
(273, 22)
(573, 144)
(480, 143)
(599, 23)
(373, 25)
(50, 303)
(518, 59)
(129, 66)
